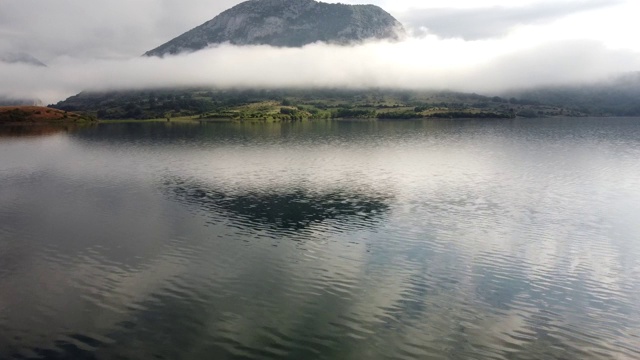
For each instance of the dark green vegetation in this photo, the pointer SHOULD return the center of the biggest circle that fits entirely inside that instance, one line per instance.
(620, 97)
(297, 104)
(287, 23)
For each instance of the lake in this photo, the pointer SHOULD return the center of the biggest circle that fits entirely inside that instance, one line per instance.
(435, 239)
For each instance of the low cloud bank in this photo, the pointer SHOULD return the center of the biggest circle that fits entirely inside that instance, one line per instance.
(494, 22)
(427, 63)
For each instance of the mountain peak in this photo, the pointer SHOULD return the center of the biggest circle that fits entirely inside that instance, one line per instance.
(287, 23)
(20, 58)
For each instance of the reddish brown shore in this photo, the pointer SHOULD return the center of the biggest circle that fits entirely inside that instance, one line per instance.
(25, 115)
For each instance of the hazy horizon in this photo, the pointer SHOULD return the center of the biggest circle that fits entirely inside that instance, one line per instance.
(480, 46)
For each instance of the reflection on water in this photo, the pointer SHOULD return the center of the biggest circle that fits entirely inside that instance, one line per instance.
(293, 208)
(329, 240)
(13, 131)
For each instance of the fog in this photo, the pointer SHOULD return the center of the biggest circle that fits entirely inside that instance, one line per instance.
(418, 63)
(495, 21)
(484, 46)
(98, 28)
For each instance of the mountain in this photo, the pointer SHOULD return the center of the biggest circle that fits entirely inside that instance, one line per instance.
(20, 58)
(287, 23)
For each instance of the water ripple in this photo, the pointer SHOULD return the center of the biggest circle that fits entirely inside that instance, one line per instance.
(383, 240)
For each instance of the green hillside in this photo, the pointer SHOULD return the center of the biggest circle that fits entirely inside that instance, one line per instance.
(296, 104)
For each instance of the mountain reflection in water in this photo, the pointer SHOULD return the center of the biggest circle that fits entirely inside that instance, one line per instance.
(284, 209)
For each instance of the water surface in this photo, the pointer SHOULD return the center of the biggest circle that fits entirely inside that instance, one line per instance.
(506, 239)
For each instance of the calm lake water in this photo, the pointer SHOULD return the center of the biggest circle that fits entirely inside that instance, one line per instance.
(506, 239)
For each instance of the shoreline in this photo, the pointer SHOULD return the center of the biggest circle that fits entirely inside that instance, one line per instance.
(186, 120)
(276, 121)
(35, 115)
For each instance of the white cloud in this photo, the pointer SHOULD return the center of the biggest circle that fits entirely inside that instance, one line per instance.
(490, 22)
(429, 63)
(99, 28)
(97, 45)
(128, 28)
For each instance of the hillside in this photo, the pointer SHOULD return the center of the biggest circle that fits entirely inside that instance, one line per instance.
(287, 23)
(294, 104)
(617, 97)
(38, 115)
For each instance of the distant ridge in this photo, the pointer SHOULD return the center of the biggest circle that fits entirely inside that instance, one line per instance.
(20, 58)
(619, 96)
(287, 23)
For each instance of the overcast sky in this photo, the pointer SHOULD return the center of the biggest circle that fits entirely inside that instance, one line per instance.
(486, 45)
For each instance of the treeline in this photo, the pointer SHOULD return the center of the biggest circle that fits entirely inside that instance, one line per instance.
(297, 104)
(139, 104)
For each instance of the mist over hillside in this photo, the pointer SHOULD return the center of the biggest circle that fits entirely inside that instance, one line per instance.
(8, 101)
(615, 97)
(362, 55)
(382, 103)
(21, 59)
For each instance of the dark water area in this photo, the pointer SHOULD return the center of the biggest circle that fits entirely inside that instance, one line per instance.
(505, 239)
